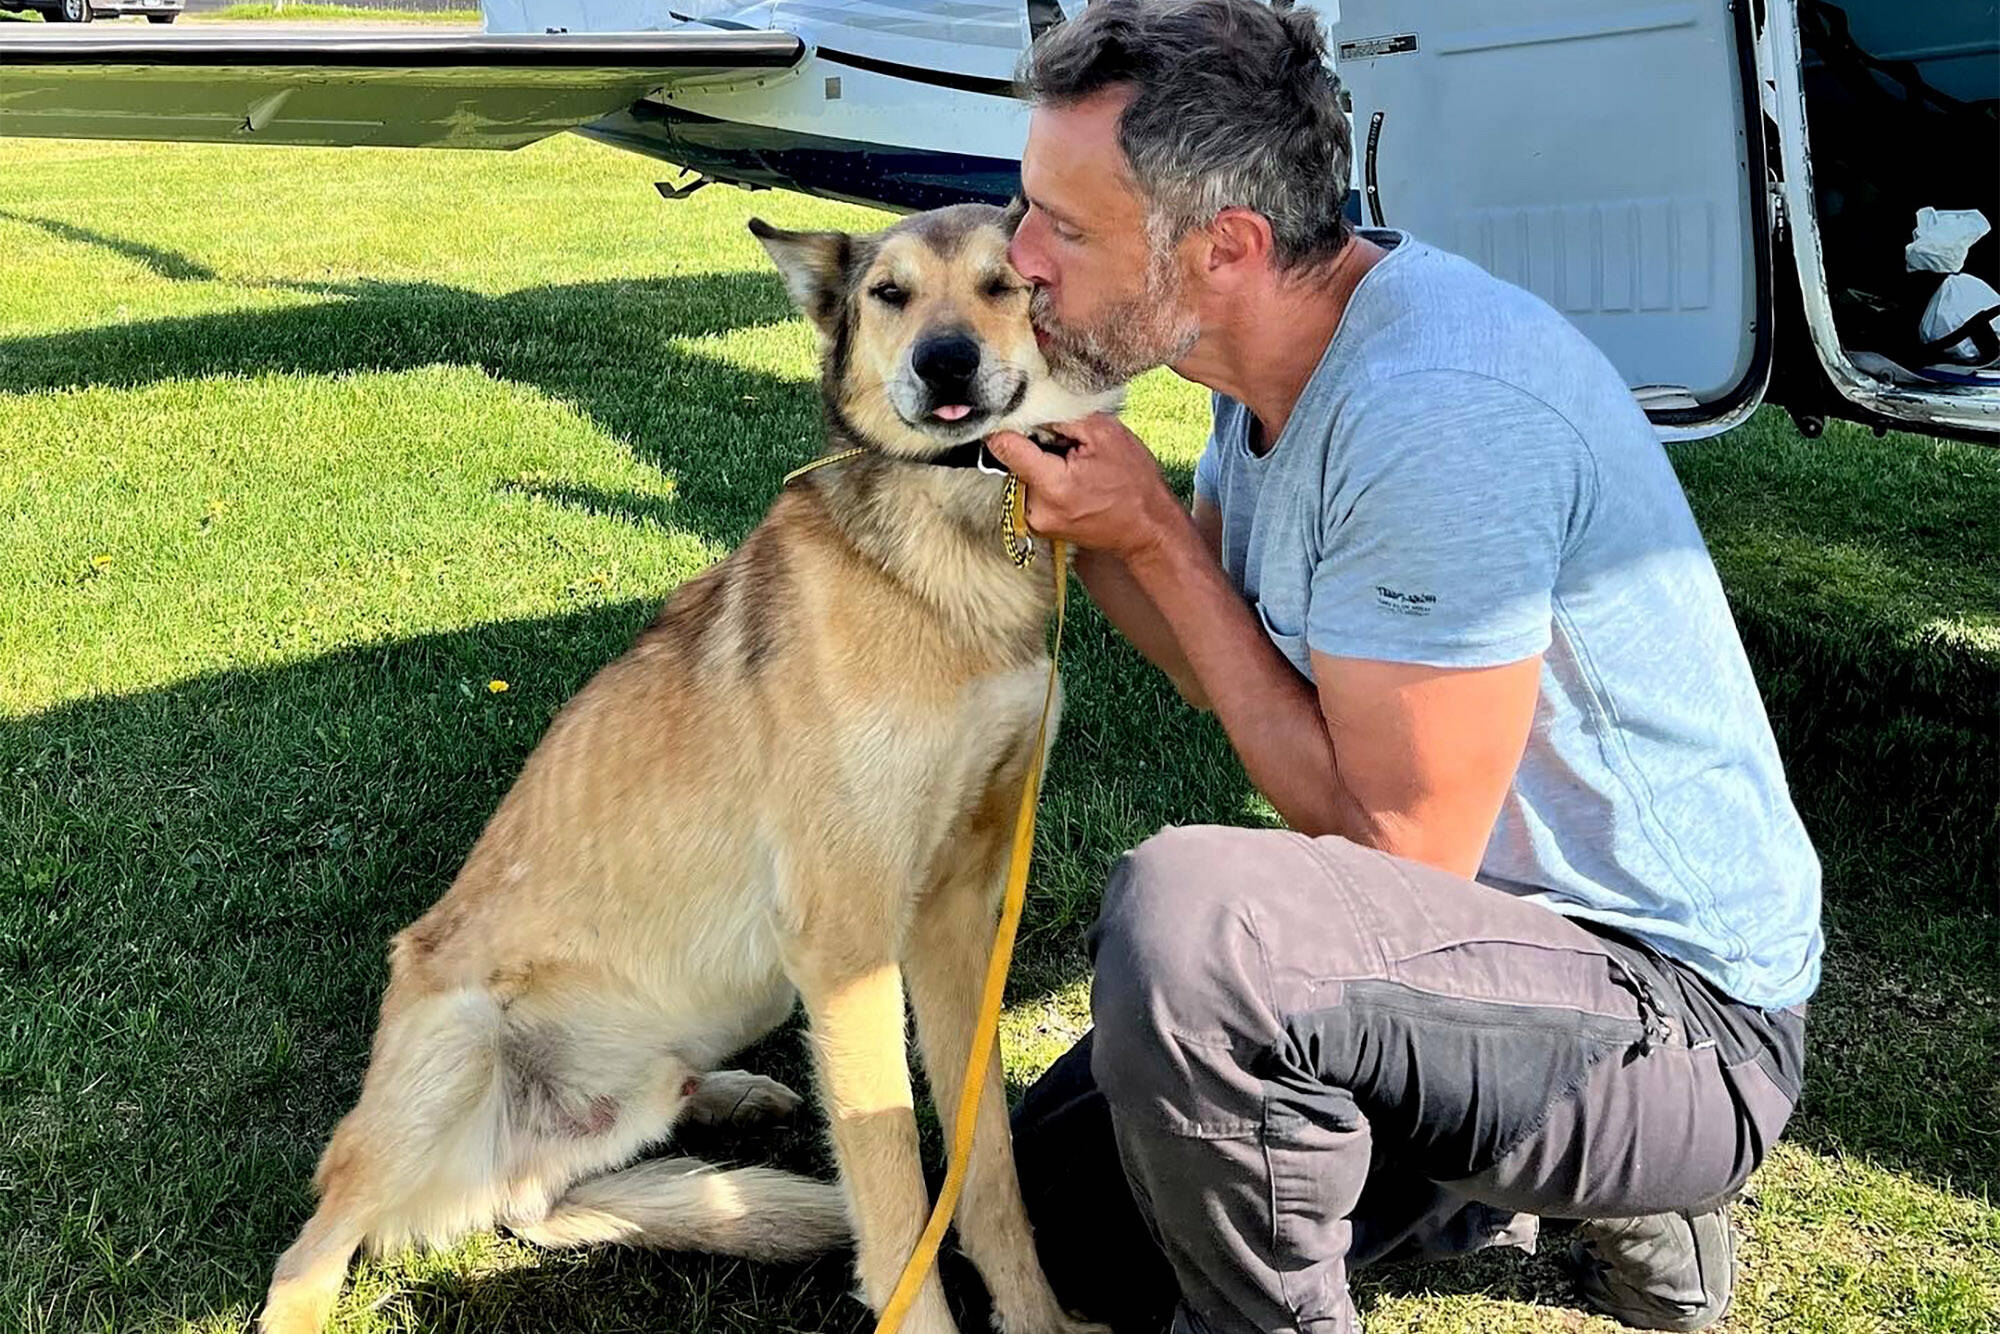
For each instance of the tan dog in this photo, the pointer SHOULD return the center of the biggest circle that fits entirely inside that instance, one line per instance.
(799, 782)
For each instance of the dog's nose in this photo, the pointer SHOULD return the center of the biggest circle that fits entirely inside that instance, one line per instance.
(946, 361)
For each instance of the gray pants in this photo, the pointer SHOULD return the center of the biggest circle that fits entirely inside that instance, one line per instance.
(1308, 1055)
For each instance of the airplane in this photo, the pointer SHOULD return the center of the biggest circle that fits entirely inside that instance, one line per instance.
(1719, 193)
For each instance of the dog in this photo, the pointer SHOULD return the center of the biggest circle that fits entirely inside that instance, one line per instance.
(799, 783)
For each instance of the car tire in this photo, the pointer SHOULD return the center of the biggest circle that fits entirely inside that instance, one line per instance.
(161, 18)
(70, 11)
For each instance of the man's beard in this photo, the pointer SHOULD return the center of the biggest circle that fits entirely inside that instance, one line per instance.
(1129, 337)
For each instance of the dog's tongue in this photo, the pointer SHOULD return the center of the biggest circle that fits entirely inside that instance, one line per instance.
(952, 412)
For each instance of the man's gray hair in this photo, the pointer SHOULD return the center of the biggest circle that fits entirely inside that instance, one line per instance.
(1233, 107)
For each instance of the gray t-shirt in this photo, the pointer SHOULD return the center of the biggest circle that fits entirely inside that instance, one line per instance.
(1466, 481)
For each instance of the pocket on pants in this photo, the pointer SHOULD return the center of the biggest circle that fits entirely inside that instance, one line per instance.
(1316, 1153)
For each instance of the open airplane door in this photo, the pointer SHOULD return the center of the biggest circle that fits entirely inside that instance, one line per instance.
(1607, 155)
(390, 90)
(1886, 111)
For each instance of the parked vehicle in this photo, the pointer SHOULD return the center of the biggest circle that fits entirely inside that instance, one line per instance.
(83, 11)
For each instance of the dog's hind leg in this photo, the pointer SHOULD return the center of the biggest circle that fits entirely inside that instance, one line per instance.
(306, 1283)
(428, 1101)
(481, 1105)
(737, 1098)
(759, 1213)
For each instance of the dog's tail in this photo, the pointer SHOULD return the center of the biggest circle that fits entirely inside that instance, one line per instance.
(759, 1213)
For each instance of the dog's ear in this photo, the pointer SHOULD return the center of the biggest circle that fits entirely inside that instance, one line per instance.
(816, 267)
(1010, 221)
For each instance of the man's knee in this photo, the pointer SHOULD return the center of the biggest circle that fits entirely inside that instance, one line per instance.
(1170, 904)
(1179, 998)
(1138, 937)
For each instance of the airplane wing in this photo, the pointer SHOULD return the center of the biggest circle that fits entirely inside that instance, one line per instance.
(426, 90)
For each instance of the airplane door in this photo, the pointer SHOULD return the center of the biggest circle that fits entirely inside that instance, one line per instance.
(1592, 151)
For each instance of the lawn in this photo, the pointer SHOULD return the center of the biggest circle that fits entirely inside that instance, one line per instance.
(303, 450)
(295, 12)
(291, 11)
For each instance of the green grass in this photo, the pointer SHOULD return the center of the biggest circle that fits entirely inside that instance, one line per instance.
(299, 13)
(302, 449)
(293, 13)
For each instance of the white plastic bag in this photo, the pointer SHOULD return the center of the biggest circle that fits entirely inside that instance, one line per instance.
(1958, 299)
(1942, 239)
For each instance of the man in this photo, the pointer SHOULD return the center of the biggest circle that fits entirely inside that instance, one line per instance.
(1538, 939)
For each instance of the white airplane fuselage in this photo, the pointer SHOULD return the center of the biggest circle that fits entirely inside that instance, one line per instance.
(900, 104)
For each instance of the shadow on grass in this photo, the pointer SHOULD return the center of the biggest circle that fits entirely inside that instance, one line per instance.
(168, 264)
(630, 507)
(1862, 579)
(628, 1291)
(613, 350)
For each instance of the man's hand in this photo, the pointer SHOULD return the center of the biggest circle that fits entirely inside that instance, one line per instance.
(1106, 494)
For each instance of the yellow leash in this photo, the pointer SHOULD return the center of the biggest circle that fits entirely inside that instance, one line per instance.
(986, 1033)
(1020, 549)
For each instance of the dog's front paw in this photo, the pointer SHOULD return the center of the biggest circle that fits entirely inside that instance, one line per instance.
(738, 1099)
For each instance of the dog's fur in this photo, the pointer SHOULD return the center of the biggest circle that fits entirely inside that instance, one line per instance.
(799, 782)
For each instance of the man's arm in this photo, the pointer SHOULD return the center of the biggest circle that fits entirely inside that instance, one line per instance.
(1410, 759)
(1126, 606)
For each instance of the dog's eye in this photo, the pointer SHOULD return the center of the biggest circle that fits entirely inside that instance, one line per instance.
(889, 294)
(997, 288)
